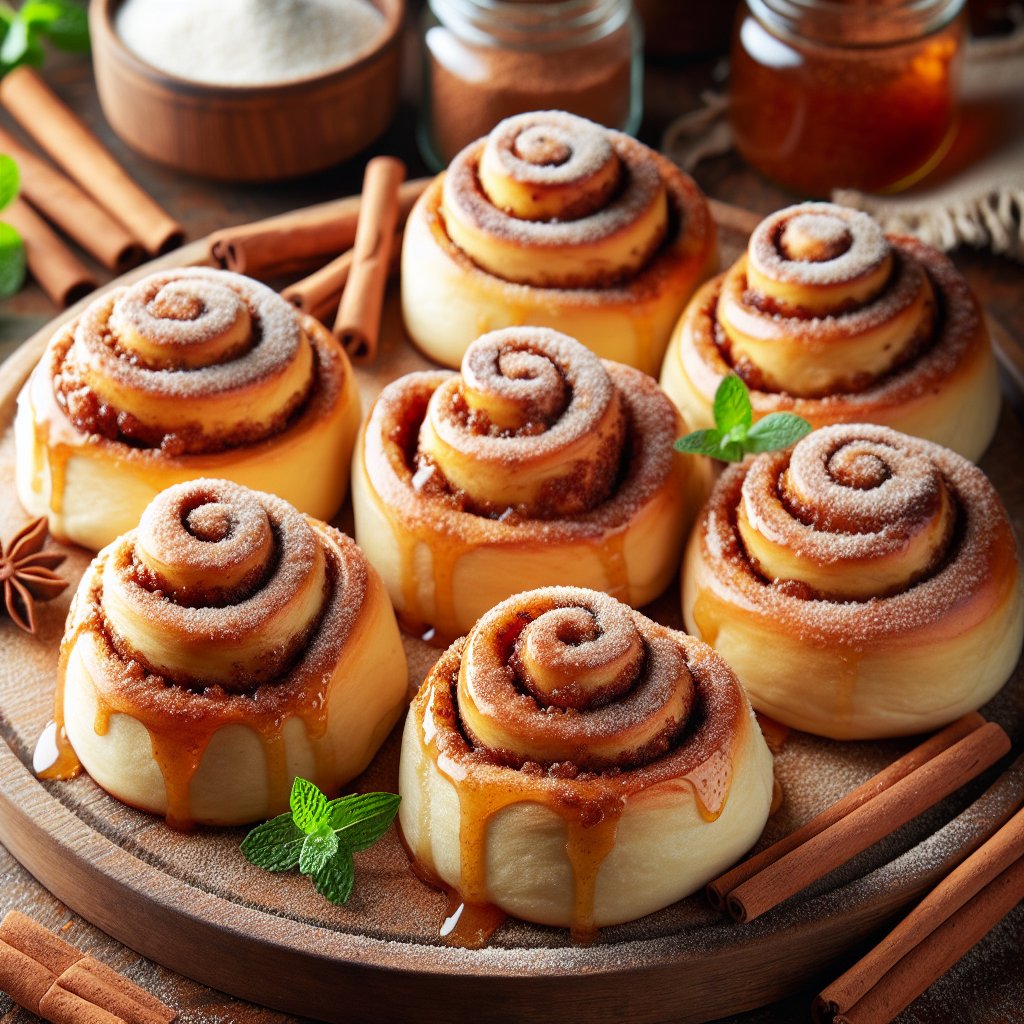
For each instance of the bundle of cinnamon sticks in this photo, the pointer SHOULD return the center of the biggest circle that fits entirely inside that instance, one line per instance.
(57, 982)
(351, 244)
(93, 202)
(963, 908)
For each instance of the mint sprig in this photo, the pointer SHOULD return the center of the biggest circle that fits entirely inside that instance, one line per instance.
(63, 23)
(12, 248)
(735, 433)
(318, 836)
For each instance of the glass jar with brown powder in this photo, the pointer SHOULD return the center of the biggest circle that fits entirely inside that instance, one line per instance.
(828, 94)
(485, 60)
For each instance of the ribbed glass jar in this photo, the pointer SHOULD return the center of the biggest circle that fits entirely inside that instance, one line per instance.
(826, 94)
(485, 60)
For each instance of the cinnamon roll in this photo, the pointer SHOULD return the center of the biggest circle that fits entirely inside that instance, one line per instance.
(827, 317)
(555, 221)
(187, 373)
(576, 764)
(538, 465)
(226, 645)
(864, 584)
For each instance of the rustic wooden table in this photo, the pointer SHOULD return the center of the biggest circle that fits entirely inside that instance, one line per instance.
(986, 987)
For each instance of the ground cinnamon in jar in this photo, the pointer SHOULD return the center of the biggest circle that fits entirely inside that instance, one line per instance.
(485, 60)
(825, 94)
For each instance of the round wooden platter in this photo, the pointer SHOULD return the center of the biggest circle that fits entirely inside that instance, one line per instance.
(192, 903)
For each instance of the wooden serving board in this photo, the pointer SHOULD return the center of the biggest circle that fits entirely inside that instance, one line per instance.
(192, 902)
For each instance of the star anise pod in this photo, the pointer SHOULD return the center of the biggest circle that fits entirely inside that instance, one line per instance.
(26, 572)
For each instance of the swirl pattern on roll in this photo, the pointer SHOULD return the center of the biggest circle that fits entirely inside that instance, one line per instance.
(866, 555)
(220, 586)
(535, 423)
(226, 645)
(565, 699)
(828, 317)
(819, 278)
(539, 463)
(189, 360)
(556, 201)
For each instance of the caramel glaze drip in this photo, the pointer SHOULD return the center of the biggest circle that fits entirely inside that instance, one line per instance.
(620, 703)
(173, 578)
(537, 439)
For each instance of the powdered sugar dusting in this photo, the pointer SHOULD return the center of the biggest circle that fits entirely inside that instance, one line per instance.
(825, 223)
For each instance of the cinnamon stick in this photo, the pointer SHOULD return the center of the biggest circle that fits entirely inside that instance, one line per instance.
(991, 859)
(929, 960)
(55, 981)
(718, 890)
(865, 825)
(301, 240)
(357, 326)
(74, 148)
(319, 294)
(59, 272)
(67, 206)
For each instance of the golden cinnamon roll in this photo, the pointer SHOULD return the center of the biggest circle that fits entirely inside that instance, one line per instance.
(556, 221)
(864, 584)
(226, 645)
(827, 317)
(539, 464)
(187, 373)
(576, 764)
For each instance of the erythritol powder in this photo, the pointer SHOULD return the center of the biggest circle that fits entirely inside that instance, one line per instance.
(247, 42)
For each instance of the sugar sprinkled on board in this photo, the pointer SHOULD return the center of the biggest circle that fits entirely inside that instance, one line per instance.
(248, 42)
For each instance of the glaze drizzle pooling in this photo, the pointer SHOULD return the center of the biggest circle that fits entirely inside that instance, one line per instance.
(569, 700)
(226, 607)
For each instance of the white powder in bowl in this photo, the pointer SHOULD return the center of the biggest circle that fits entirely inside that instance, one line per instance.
(247, 42)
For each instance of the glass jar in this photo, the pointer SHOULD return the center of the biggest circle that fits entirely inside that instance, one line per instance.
(826, 94)
(485, 60)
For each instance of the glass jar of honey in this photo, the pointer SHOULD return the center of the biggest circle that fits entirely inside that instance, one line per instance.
(830, 94)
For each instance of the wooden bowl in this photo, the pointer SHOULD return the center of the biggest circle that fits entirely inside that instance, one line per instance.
(246, 133)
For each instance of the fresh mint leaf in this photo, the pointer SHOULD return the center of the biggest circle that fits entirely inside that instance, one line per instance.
(776, 431)
(736, 435)
(732, 407)
(361, 819)
(701, 442)
(69, 29)
(19, 44)
(317, 850)
(40, 12)
(319, 837)
(12, 261)
(10, 180)
(275, 845)
(335, 879)
(309, 806)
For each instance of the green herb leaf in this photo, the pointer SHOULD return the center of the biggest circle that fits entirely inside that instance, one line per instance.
(362, 818)
(735, 435)
(10, 180)
(777, 430)
(12, 261)
(275, 845)
(701, 442)
(317, 850)
(69, 29)
(335, 879)
(309, 806)
(319, 837)
(20, 45)
(732, 407)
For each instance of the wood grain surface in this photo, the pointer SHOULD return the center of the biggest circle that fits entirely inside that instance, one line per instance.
(192, 903)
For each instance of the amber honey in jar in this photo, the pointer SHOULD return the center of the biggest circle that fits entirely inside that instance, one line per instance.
(858, 94)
